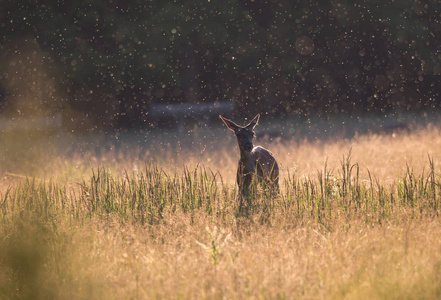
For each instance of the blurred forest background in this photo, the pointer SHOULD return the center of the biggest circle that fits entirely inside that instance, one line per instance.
(105, 62)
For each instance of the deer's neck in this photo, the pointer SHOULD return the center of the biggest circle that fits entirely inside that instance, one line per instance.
(247, 161)
(244, 156)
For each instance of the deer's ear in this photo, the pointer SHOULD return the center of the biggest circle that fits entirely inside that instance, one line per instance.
(253, 122)
(230, 124)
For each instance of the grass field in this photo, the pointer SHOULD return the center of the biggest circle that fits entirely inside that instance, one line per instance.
(157, 217)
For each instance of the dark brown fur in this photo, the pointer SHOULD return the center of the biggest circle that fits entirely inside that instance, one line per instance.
(254, 161)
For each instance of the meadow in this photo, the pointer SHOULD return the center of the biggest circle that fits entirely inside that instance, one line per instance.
(155, 215)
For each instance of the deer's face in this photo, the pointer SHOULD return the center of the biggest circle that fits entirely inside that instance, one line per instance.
(245, 139)
(244, 134)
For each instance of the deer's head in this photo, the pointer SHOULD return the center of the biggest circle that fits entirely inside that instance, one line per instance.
(244, 134)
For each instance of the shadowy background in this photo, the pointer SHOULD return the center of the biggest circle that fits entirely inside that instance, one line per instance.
(104, 64)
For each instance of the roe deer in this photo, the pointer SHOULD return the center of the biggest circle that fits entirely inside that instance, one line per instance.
(254, 161)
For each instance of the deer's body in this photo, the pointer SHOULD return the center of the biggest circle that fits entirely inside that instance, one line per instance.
(261, 163)
(255, 162)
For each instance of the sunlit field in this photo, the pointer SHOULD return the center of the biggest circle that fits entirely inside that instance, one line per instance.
(155, 214)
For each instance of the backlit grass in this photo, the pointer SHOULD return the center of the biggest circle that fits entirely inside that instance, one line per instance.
(354, 219)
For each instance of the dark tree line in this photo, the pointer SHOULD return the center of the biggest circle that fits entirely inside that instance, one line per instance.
(110, 60)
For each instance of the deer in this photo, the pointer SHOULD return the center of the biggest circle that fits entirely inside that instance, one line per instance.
(255, 162)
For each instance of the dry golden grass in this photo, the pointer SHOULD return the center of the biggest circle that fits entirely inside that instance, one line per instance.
(103, 259)
(197, 255)
(385, 156)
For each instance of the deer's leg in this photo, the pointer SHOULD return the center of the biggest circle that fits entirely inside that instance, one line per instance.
(265, 177)
(244, 183)
(274, 177)
(241, 185)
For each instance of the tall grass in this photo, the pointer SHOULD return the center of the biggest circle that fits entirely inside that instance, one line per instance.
(341, 231)
(143, 196)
